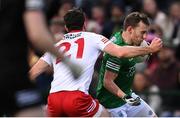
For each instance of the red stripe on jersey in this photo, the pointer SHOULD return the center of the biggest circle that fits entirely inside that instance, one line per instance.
(104, 40)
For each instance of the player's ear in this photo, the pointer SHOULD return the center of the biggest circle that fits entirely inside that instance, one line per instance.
(84, 26)
(130, 29)
(66, 28)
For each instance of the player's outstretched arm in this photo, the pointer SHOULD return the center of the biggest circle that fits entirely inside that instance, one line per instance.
(37, 69)
(132, 51)
(42, 39)
(38, 32)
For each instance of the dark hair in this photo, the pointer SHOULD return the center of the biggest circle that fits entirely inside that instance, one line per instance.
(74, 19)
(134, 18)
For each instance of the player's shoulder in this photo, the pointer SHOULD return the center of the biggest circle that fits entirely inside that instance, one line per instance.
(117, 34)
(116, 38)
(58, 43)
(92, 35)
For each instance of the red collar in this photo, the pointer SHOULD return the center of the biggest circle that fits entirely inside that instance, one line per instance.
(75, 31)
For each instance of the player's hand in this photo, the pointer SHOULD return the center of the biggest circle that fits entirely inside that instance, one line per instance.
(75, 69)
(132, 101)
(156, 44)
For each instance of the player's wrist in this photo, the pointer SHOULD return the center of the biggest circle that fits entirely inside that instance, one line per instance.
(131, 101)
(125, 97)
(66, 60)
(149, 49)
(75, 68)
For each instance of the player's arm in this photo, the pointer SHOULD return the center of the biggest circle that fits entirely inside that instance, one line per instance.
(109, 84)
(40, 36)
(113, 66)
(132, 51)
(43, 40)
(37, 29)
(38, 68)
(144, 58)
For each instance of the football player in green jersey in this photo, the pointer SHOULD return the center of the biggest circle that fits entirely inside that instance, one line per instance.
(117, 74)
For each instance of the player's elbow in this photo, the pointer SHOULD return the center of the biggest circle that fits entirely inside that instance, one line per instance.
(106, 83)
(121, 54)
(33, 36)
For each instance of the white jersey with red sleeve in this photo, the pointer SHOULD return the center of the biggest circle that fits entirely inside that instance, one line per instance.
(82, 48)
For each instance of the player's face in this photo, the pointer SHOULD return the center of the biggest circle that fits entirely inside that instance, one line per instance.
(139, 33)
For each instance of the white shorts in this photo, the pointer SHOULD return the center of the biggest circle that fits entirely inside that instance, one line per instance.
(142, 110)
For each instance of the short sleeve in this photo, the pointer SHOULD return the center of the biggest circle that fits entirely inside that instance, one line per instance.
(113, 64)
(100, 41)
(47, 57)
(34, 4)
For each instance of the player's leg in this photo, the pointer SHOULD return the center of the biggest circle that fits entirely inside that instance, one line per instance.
(142, 110)
(54, 106)
(80, 104)
(102, 112)
(119, 111)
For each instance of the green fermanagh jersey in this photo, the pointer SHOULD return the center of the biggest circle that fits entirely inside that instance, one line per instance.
(124, 67)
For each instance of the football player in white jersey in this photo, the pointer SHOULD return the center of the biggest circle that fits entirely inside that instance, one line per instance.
(69, 96)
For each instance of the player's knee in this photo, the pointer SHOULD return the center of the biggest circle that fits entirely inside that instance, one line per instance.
(155, 116)
(102, 112)
(105, 113)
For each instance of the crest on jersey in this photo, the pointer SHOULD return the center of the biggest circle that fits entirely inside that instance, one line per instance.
(130, 59)
(113, 39)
